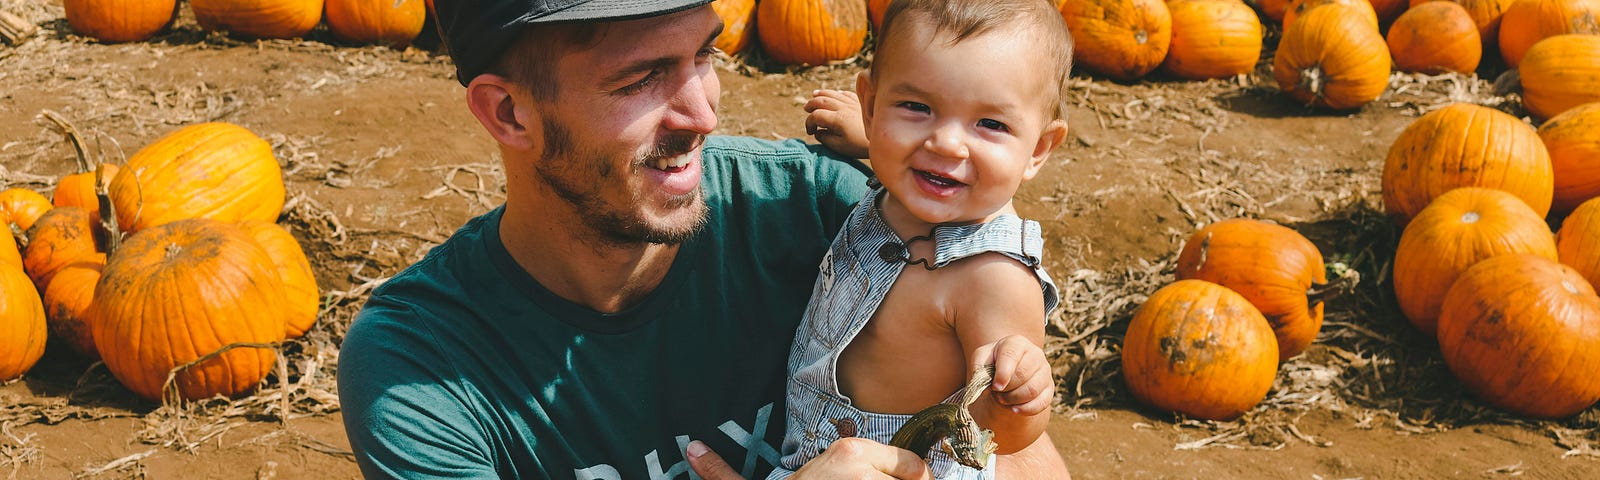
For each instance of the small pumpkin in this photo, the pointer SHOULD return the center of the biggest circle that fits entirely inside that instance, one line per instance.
(1200, 349)
(177, 292)
(1526, 22)
(62, 237)
(115, 21)
(388, 22)
(1331, 57)
(211, 170)
(1434, 38)
(1212, 39)
(1275, 9)
(66, 303)
(290, 262)
(1573, 140)
(1389, 10)
(1465, 145)
(22, 327)
(259, 18)
(78, 189)
(22, 207)
(1460, 228)
(811, 32)
(1559, 73)
(1578, 242)
(1485, 13)
(1272, 266)
(876, 8)
(738, 17)
(1120, 39)
(1520, 331)
(1300, 7)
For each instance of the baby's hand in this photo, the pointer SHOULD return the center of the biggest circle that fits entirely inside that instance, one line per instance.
(834, 118)
(1022, 379)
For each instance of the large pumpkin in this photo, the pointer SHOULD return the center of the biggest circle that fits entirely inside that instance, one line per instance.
(259, 18)
(66, 304)
(1121, 39)
(1272, 266)
(875, 10)
(210, 170)
(738, 18)
(1300, 7)
(1527, 22)
(1573, 139)
(1465, 145)
(1523, 333)
(1460, 228)
(387, 22)
(9, 253)
(115, 21)
(1559, 73)
(290, 262)
(22, 327)
(22, 207)
(811, 32)
(1212, 39)
(1200, 349)
(177, 292)
(1434, 38)
(1331, 57)
(1485, 13)
(78, 189)
(62, 237)
(1578, 242)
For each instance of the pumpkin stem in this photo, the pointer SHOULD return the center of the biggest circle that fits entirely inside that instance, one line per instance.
(1345, 281)
(71, 132)
(1508, 82)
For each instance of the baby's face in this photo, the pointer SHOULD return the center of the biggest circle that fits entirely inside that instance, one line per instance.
(955, 129)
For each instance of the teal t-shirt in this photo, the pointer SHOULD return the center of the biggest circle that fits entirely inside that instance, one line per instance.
(463, 366)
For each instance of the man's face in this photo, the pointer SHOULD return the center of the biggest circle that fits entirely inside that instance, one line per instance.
(622, 137)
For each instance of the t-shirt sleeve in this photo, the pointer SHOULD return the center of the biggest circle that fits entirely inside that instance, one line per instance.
(842, 183)
(403, 416)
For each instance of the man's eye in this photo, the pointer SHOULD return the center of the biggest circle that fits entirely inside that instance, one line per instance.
(709, 50)
(995, 125)
(640, 85)
(914, 106)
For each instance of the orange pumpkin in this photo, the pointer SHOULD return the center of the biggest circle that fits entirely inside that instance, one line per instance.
(1389, 10)
(78, 190)
(1272, 266)
(875, 9)
(1523, 333)
(1200, 349)
(1578, 242)
(114, 21)
(177, 292)
(1300, 7)
(211, 170)
(1275, 9)
(67, 300)
(259, 18)
(1460, 228)
(290, 262)
(22, 207)
(1465, 145)
(1573, 139)
(1559, 73)
(389, 22)
(811, 32)
(1120, 39)
(22, 327)
(1331, 57)
(1527, 22)
(1485, 13)
(9, 253)
(1212, 39)
(62, 237)
(738, 17)
(1434, 38)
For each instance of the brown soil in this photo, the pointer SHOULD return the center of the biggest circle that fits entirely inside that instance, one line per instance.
(386, 162)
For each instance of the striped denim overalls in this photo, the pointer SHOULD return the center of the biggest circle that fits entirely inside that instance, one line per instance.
(855, 276)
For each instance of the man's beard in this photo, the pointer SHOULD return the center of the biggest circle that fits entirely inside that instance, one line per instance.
(583, 189)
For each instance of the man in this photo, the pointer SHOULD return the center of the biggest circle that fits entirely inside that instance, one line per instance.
(627, 312)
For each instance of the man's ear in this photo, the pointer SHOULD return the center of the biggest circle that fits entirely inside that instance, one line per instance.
(1054, 133)
(864, 91)
(505, 111)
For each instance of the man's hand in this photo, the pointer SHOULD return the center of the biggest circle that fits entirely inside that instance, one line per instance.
(846, 458)
(834, 118)
(1022, 380)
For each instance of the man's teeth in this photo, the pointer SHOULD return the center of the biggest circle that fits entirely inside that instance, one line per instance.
(672, 162)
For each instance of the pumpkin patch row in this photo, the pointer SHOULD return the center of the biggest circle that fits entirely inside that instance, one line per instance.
(182, 287)
(389, 22)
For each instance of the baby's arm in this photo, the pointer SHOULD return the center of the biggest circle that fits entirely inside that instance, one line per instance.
(1000, 320)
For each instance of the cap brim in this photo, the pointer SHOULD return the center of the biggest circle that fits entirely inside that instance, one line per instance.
(619, 10)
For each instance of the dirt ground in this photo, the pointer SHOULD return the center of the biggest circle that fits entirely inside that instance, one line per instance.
(383, 161)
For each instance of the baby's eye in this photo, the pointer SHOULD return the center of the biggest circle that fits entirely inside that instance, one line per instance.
(993, 124)
(913, 106)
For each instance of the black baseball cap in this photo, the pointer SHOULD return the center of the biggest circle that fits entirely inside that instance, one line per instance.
(477, 32)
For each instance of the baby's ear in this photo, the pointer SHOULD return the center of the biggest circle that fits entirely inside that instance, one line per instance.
(864, 91)
(1054, 133)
